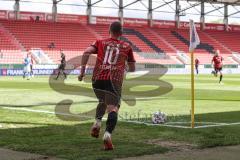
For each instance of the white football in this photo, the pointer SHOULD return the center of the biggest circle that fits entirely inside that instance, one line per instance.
(159, 117)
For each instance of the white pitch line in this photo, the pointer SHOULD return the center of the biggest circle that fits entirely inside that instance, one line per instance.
(214, 124)
(11, 90)
(219, 125)
(44, 111)
(168, 124)
(143, 98)
(195, 123)
(151, 124)
(66, 114)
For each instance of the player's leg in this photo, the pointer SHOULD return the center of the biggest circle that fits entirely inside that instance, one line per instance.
(24, 71)
(59, 71)
(100, 111)
(196, 68)
(113, 103)
(63, 71)
(28, 75)
(110, 126)
(216, 72)
(24, 74)
(31, 73)
(221, 76)
(111, 122)
(98, 87)
(58, 74)
(28, 72)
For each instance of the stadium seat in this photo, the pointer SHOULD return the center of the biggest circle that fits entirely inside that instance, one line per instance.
(18, 36)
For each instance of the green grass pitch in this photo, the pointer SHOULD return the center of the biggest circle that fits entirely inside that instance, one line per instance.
(28, 122)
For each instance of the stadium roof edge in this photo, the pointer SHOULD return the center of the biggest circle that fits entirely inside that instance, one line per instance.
(229, 2)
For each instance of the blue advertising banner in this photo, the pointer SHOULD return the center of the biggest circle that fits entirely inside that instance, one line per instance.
(19, 72)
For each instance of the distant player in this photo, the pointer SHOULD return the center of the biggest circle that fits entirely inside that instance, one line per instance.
(107, 79)
(217, 63)
(27, 66)
(197, 62)
(31, 67)
(62, 66)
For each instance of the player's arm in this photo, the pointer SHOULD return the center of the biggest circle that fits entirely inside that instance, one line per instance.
(131, 61)
(212, 62)
(131, 67)
(90, 50)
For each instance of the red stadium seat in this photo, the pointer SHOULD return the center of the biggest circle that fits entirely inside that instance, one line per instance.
(74, 38)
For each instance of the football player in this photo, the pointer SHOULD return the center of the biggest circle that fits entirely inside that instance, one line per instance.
(62, 66)
(197, 62)
(217, 64)
(107, 79)
(27, 66)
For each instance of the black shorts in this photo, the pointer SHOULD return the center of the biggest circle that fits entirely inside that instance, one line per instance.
(218, 69)
(107, 92)
(62, 66)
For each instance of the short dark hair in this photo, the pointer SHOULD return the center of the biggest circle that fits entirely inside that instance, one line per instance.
(116, 28)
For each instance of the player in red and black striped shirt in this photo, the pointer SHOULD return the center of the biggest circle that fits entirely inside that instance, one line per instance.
(217, 62)
(197, 62)
(107, 79)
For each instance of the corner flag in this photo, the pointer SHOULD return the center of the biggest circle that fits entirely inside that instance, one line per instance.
(194, 42)
(194, 38)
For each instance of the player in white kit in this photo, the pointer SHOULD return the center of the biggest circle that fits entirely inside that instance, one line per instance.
(27, 67)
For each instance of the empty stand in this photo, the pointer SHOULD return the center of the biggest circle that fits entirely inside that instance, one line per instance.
(135, 37)
(228, 39)
(206, 38)
(102, 30)
(6, 41)
(11, 57)
(134, 47)
(41, 34)
(170, 38)
(17, 36)
(144, 43)
(183, 35)
(157, 40)
(207, 42)
(180, 40)
(72, 37)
